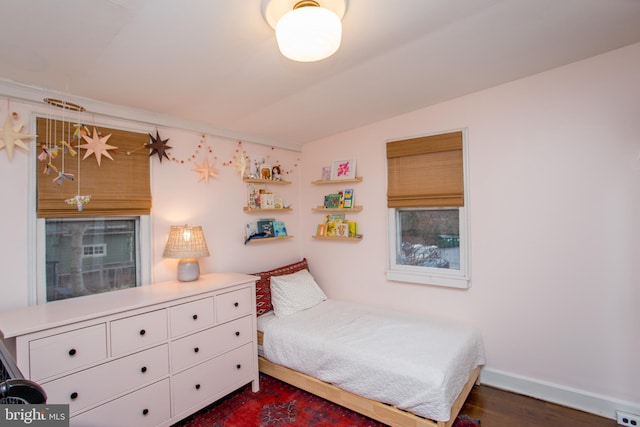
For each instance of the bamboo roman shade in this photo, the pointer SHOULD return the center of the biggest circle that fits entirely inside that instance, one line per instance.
(426, 171)
(118, 187)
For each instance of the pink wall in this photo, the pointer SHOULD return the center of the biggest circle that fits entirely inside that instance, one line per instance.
(555, 202)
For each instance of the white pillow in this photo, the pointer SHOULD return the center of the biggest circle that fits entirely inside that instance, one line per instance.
(294, 292)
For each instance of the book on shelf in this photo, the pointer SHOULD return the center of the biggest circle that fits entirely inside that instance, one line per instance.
(353, 228)
(279, 229)
(265, 225)
(348, 198)
(339, 217)
(267, 201)
(251, 228)
(332, 201)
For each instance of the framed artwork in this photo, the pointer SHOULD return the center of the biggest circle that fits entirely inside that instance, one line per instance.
(343, 169)
(265, 172)
(342, 229)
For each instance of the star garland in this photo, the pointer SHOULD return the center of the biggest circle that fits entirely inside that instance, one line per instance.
(158, 146)
(245, 167)
(10, 137)
(202, 144)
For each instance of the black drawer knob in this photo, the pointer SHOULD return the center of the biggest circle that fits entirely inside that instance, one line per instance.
(142, 332)
(196, 349)
(73, 396)
(197, 386)
(143, 369)
(195, 317)
(237, 333)
(72, 352)
(235, 304)
(145, 411)
(238, 366)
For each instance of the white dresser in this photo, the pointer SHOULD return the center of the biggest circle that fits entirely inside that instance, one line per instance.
(146, 356)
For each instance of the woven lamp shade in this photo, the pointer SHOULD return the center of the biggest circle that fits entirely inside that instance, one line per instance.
(186, 242)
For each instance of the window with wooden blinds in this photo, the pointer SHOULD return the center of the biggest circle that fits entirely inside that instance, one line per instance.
(118, 187)
(426, 171)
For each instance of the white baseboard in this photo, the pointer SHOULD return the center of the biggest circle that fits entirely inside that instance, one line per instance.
(578, 399)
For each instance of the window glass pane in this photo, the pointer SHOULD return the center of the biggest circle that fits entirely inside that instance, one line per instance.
(90, 256)
(429, 238)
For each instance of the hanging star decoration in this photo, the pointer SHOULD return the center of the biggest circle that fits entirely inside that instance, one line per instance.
(97, 145)
(240, 162)
(10, 136)
(205, 170)
(158, 146)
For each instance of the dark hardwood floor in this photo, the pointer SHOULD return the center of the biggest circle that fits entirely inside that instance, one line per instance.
(498, 408)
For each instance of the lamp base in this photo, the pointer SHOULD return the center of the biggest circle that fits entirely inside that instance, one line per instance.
(188, 269)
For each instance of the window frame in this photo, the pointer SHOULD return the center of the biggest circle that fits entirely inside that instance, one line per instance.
(430, 275)
(143, 267)
(93, 253)
(36, 233)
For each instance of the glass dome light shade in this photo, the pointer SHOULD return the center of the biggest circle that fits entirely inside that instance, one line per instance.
(308, 34)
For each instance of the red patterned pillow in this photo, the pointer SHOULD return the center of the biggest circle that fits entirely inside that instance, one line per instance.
(263, 285)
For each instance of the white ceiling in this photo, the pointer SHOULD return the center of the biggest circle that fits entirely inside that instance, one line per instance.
(214, 64)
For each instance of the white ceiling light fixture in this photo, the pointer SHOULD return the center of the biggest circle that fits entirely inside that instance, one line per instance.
(306, 30)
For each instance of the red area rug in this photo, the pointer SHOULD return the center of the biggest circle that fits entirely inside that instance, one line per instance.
(278, 405)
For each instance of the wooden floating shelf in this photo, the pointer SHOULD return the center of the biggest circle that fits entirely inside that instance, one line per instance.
(253, 210)
(266, 181)
(337, 181)
(341, 210)
(268, 239)
(350, 239)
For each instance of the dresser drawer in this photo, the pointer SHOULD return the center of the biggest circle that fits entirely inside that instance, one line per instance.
(212, 379)
(191, 316)
(232, 305)
(137, 332)
(67, 351)
(195, 348)
(146, 407)
(94, 385)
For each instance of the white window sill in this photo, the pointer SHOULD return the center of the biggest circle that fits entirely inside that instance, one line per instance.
(429, 279)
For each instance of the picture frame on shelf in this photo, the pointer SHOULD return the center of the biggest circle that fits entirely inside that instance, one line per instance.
(342, 229)
(326, 173)
(265, 172)
(343, 169)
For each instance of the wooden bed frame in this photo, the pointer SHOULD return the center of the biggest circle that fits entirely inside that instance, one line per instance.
(382, 412)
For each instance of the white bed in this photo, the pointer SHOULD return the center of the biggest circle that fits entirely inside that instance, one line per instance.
(401, 369)
(416, 364)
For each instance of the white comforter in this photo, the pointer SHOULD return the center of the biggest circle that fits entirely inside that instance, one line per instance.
(415, 363)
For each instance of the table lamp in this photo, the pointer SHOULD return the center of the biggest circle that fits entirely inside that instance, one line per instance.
(186, 243)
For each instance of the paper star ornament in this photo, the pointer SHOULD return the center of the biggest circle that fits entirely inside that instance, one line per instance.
(158, 146)
(97, 146)
(205, 170)
(10, 136)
